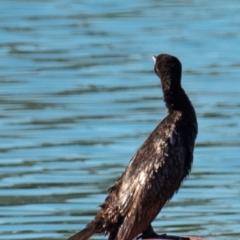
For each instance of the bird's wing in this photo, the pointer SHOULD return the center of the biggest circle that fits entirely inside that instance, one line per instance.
(149, 160)
(145, 179)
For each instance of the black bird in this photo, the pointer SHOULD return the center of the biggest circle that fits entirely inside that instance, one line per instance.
(158, 168)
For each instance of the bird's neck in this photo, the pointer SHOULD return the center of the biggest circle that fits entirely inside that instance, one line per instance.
(176, 100)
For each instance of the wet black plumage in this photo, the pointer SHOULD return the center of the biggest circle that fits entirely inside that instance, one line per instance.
(158, 168)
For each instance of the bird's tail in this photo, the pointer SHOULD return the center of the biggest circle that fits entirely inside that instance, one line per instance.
(84, 234)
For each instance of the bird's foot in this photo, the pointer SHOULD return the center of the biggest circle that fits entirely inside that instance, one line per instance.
(153, 235)
(150, 234)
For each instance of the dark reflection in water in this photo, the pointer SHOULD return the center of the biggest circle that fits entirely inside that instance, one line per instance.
(78, 96)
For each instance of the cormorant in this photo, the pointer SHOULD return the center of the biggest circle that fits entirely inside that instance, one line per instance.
(158, 168)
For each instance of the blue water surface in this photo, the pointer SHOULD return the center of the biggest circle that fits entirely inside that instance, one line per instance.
(78, 96)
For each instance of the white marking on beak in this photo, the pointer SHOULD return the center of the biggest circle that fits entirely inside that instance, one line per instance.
(154, 58)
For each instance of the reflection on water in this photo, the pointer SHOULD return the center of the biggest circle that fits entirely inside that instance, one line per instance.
(78, 96)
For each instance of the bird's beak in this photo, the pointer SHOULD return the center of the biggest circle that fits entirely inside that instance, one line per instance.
(154, 58)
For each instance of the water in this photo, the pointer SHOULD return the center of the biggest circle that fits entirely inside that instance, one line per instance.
(78, 96)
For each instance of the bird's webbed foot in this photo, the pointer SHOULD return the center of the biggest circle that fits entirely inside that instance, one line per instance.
(150, 234)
